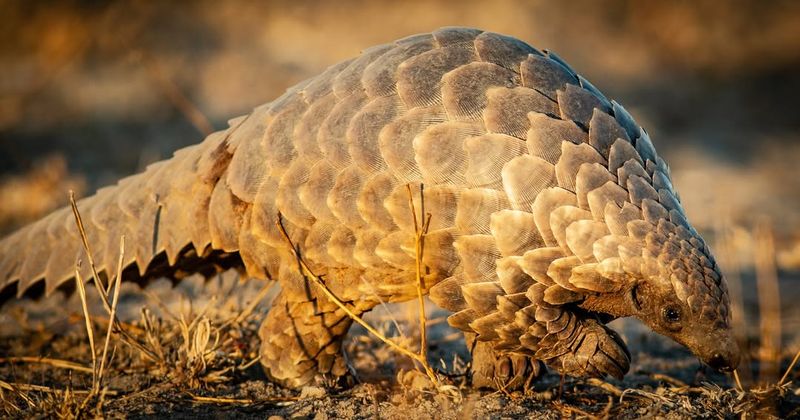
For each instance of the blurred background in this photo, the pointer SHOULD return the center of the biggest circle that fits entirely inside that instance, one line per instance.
(93, 91)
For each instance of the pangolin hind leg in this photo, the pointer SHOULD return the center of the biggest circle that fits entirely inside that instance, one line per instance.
(301, 340)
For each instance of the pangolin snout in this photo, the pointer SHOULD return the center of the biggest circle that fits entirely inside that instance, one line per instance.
(726, 358)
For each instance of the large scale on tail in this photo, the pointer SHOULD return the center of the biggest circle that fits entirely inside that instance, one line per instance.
(552, 214)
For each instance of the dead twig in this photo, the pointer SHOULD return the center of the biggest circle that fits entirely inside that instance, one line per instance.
(249, 364)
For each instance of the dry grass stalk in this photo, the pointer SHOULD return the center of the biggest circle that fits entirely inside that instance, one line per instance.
(58, 363)
(610, 388)
(768, 302)
(221, 400)
(386, 309)
(13, 386)
(254, 303)
(85, 241)
(5, 386)
(729, 242)
(101, 289)
(113, 314)
(198, 351)
(570, 411)
(242, 401)
(675, 382)
(789, 369)
(103, 320)
(738, 381)
(177, 98)
(419, 247)
(88, 318)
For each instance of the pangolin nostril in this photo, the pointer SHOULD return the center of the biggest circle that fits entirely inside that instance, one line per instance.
(718, 362)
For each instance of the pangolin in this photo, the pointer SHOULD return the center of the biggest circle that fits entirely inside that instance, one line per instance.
(551, 214)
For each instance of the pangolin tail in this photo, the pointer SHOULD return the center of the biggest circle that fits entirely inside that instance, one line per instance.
(166, 214)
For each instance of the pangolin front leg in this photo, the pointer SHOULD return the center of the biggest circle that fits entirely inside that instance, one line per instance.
(551, 213)
(491, 368)
(579, 347)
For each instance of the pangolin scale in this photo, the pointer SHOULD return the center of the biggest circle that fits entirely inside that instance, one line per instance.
(552, 213)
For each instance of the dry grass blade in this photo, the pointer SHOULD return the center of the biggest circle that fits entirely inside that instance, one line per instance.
(113, 314)
(19, 392)
(177, 98)
(12, 386)
(63, 364)
(392, 318)
(599, 383)
(738, 382)
(88, 318)
(570, 411)
(243, 401)
(675, 382)
(101, 289)
(252, 306)
(85, 241)
(247, 365)
(730, 241)
(648, 395)
(789, 369)
(221, 400)
(419, 246)
(768, 302)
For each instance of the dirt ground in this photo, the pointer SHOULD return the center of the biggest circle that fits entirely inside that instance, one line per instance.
(665, 379)
(91, 92)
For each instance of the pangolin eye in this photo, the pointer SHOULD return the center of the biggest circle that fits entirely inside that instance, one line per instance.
(672, 314)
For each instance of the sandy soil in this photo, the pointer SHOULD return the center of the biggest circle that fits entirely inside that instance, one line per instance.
(665, 380)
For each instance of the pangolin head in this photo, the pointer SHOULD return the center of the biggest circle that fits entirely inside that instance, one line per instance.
(684, 296)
